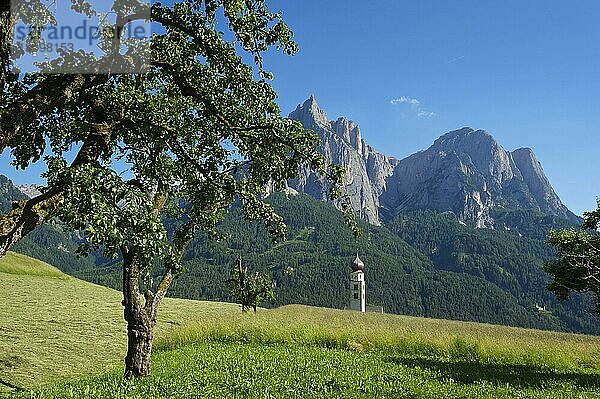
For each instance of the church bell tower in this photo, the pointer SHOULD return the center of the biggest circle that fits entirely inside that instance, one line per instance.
(357, 285)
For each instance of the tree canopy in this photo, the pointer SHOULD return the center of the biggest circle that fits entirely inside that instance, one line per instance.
(139, 162)
(577, 264)
(250, 289)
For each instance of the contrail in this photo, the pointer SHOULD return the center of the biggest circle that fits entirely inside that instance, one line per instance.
(455, 59)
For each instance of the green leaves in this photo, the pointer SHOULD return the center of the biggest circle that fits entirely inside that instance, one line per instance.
(250, 289)
(110, 214)
(577, 264)
(185, 140)
(165, 154)
(592, 218)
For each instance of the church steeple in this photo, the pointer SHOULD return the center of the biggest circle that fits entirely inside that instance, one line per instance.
(357, 285)
(358, 264)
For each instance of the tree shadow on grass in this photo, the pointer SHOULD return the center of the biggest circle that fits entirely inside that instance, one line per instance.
(500, 374)
(8, 363)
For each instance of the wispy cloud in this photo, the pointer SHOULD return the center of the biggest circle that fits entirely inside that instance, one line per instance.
(425, 114)
(415, 105)
(405, 100)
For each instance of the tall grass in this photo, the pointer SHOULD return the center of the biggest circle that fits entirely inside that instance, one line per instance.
(252, 371)
(57, 328)
(396, 335)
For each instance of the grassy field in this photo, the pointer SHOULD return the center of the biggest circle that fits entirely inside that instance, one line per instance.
(338, 329)
(68, 336)
(54, 326)
(217, 370)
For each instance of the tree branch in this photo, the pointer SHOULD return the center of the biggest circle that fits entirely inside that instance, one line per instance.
(53, 92)
(29, 214)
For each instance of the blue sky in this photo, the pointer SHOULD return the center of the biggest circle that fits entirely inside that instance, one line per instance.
(526, 71)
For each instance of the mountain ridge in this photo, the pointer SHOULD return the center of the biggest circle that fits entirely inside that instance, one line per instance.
(465, 171)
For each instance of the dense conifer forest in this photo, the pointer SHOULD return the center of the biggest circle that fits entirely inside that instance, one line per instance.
(422, 263)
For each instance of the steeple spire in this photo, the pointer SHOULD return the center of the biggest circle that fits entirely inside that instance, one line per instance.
(357, 264)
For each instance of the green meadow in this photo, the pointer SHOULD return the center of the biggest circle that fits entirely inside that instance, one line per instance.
(64, 338)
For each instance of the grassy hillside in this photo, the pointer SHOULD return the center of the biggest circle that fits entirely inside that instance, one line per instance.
(14, 263)
(54, 326)
(420, 264)
(69, 336)
(304, 352)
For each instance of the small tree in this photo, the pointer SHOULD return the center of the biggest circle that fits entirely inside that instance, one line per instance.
(250, 289)
(577, 264)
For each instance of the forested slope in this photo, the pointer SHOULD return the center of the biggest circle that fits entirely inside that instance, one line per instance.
(422, 263)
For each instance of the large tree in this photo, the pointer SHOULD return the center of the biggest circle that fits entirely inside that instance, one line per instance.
(577, 264)
(159, 155)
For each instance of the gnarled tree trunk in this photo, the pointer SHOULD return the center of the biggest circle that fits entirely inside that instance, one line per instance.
(140, 334)
(140, 327)
(141, 318)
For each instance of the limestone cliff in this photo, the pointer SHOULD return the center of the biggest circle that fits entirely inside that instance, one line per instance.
(465, 171)
(343, 144)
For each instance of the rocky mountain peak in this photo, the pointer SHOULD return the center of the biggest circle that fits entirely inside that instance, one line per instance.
(310, 114)
(478, 144)
(343, 144)
(525, 154)
(464, 139)
(539, 186)
(478, 149)
(465, 171)
(349, 131)
(30, 190)
(8, 193)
